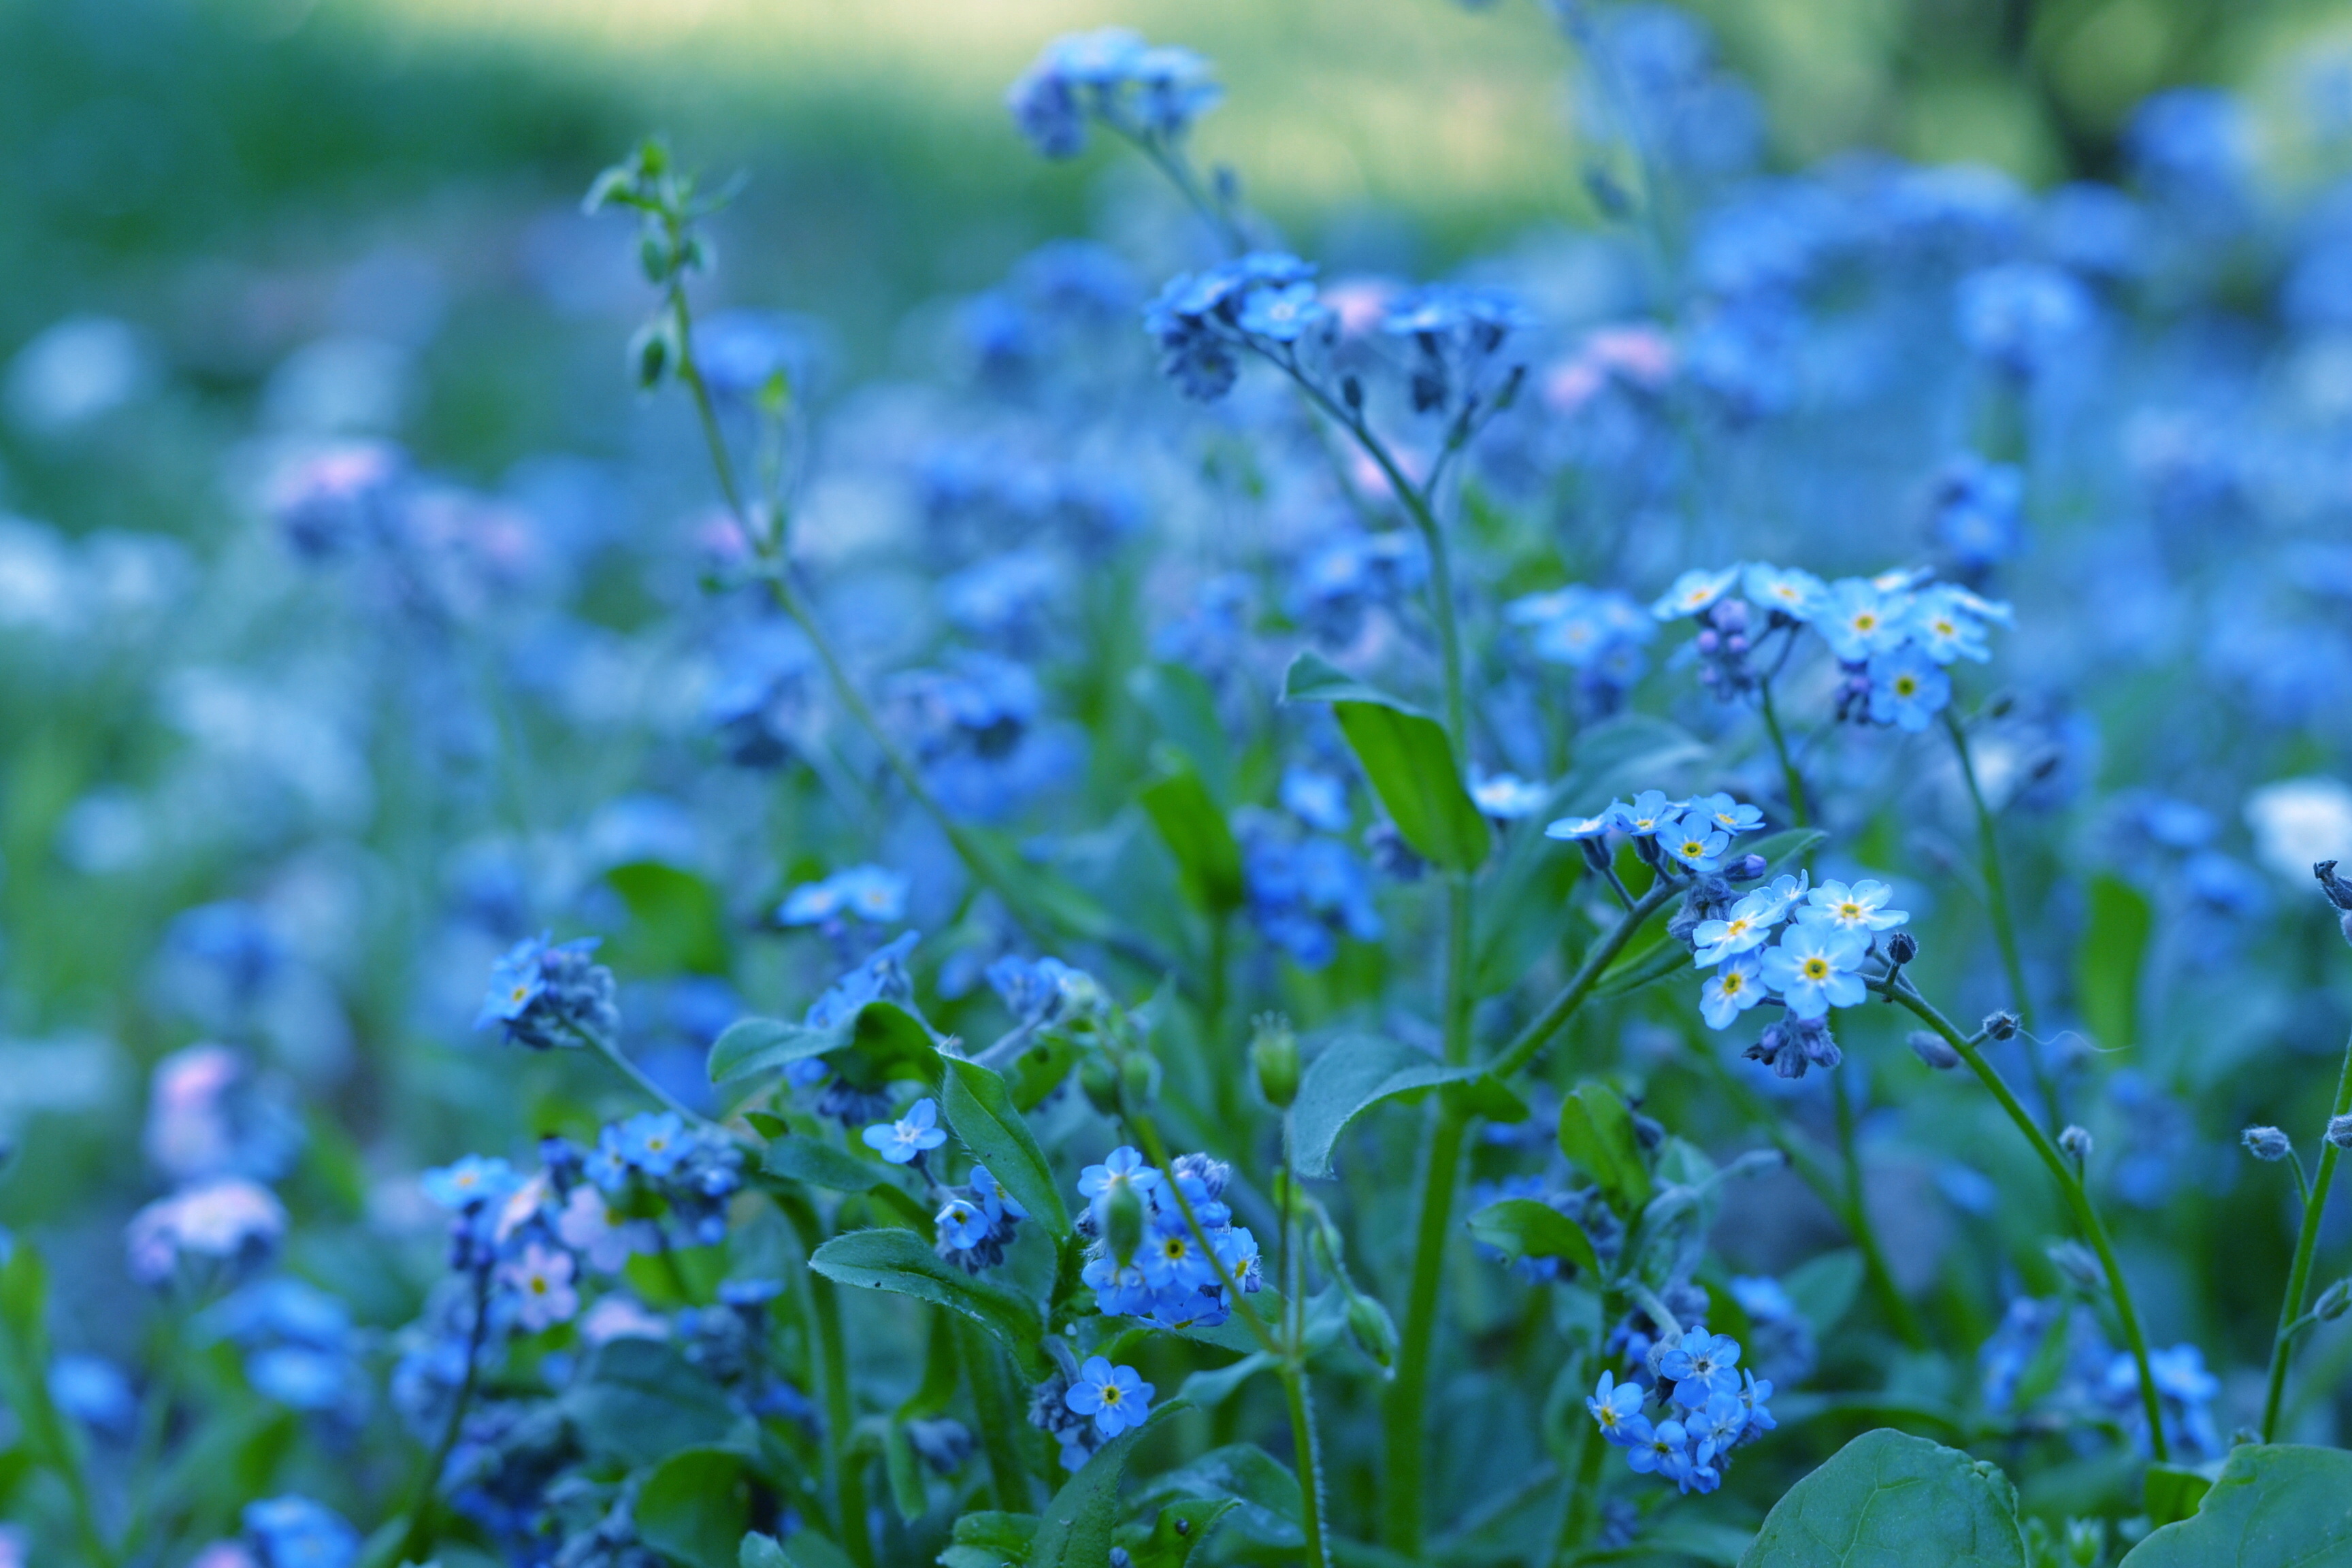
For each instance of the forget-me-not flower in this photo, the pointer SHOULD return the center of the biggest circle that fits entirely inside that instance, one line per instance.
(1859, 907)
(900, 1141)
(1813, 970)
(1114, 1395)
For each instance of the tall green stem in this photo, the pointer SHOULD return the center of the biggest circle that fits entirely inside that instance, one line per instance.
(1309, 1456)
(2070, 1183)
(1862, 1227)
(1557, 1013)
(830, 1364)
(1404, 1517)
(1790, 779)
(2307, 1244)
(2005, 923)
(417, 1543)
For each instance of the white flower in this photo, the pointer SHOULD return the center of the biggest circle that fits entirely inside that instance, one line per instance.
(2299, 822)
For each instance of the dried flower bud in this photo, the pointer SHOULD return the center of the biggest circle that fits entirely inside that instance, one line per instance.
(1933, 1049)
(2339, 1132)
(2076, 1141)
(2001, 1026)
(2266, 1142)
(1902, 947)
(2079, 1265)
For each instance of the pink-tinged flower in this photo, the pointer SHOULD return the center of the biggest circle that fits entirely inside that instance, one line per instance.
(588, 1227)
(230, 1221)
(619, 1317)
(541, 1282)
(1634, 352)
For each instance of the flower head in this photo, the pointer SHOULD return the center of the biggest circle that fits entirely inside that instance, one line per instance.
(1859, 907)
(1616, 1406)
(1908, 688)
(1695, 591)
(1114, 1395)
(1731, 990)
(900, 1141)
(1813, 969)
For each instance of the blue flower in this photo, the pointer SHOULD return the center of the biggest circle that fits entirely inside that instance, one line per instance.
(1731, 990)
(295, 1532)
(1720, 1421)
(1730, 815)
(1813, 970)
(1123, 1167)
(1791, 591)
(477, 1179)
(652, 1141)
(1700, 1364)
(1663, 1448)
(1507, 797)
(1651, 813)
(1317, 798)
(1753, 1395)
(871, 893)
(900, 1141)
(1695, 591)
(994, 1198)
(1614, 1406)
(963, 1224)
(1114, 1395)
(1695, 841)
(1858, 619)
(1859, 907)
(1613, 817)
(1283, 314)
(547, 994)
(1908, 688)
(2019, 316)
(1747, 924)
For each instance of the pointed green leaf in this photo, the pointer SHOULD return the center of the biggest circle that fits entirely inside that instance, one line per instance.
(1177, 1533)
(1193, 826)
(751, 1046)
(820, 1164)
(1413, 769)
(1311, 677)
(979, 1106)
(903, 1262)
(638, 1401)
(1522, 1228)
(2172, 1493)
(2108, 964)
(694, 1508)
(1596, 1132)
(1888, 1499)
(1076, 1529)
(1352, 1074)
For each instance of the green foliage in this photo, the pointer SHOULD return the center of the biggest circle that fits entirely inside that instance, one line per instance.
(1078, 1528)
(2108, 964)
(1407, 757)
(883, 1041)
(979, 1106)
(1522, 1227)
(1352, 1074)
(677, 923)
(637, 1401)
(1193, 826)
(695, 1506)
(2276, 1506)
(903, 1262)
(1596, 1132)
(1888, 1499)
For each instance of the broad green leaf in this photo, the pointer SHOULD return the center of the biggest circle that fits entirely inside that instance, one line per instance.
(761, 1552)
(1185, 710)
(1076, 1529)
(1823, 1287)
(637, 1401)
(695, 1508)
(1245, 1474)
(989, 1539)
(820, 1164)
(1522, 1228)
(1311, 677)
(2172, 1493)
(1596, 1132)
(903, 1472)
(903, 1262)
(2277, 1505)
(1207, 1390)
(979, 1106)
(1193, 826)
(807, 1549)
(1662, 960)
(677, 922)
(1782, 851)
(1177, 1533)
(750, 1045)
(1888, 1499)
(1413, 769)
(885, 1041)
(2107, 962)
(1354, 1073)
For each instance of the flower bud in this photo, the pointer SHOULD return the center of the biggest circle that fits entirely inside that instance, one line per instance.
(2334, 1302)
(2001, 1026)
(1140, 1078)
(1746, 868)
(1123, 1222)
(2079, 1265)
(1933, 1049)
(2338, 891)
(1374, 1330)
(2339, 1132)
(1902, 948)
(1099, 1081)
(2266, 1142)
(1274, 1056)
(2076, 1141)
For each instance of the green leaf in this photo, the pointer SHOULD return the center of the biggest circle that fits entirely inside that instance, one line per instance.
(2108, 964)
(1177, 1531)
(1526, 1228)
(903, 1472)
(1207, 1390)
(1245, 1473)
(1662, 960)
(695, 1508)
(1184, 708)
(750, 1045)
(1596, 1132)
(808, 1550)
(888, 1042)
(761, 1552)
(1193, 826)
(1823, 1287)
(903, 1262)
(679, 923)
(989, 1539)
(1076, 1529)
(820, 1164)
(638, 1401)
(1784, 849)
(1407, 756)
(2173, 1492)
(1354, 1073)
(2277, 1505)
(1311, 677)
(979, 1106)
(1888, 1499)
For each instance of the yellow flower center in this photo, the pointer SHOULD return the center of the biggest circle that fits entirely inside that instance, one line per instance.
(1110, 1394)
(1907, 685)
(1817, 969)
(1732, 982)
(1866, 621)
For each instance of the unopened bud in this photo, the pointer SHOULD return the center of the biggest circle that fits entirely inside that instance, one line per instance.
(1123, 1222)
(2001, 1026)
(1746, 868)
(1933, 1049)
(1140, 1078)
(1099, 1083)
(651, 352)
(1648, 1132)
(1374, 1330)
(1351, 393)
(1902, 948)
(2334, 1302)
(2079, 1265)
(2266, 1142)
(2338, 891)
(2339, 1132)
(1274, 1056)
(2087, 1542)
(2076, 1141)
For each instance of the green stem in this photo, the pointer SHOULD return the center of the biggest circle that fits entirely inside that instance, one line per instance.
(1403, 1518)
(2004, 924)
(2070, 1183)
(1001, 1424)
(1309, 1459)
(417, 1544)
(2306, 1245)
(628, 1069)
(1584, 1498)
(831, 1366)
(1791, 779)
(1856, 1210)
(1531, 1039)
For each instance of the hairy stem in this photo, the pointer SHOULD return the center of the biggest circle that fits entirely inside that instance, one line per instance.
(417, 1544)
(1790, 779)
(2306, 1245)
(2070, 1183)
(1403, 1505)
(1531, 1039)
(2004, 924)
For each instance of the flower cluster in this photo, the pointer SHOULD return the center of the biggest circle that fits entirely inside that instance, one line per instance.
(1146, 1258)
(1693, 834)
(1825, 934)
(1110, 76)
(1262, 302)
(546, 995)
(1893, 635)
(977, 1222)
(1707, 1408)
